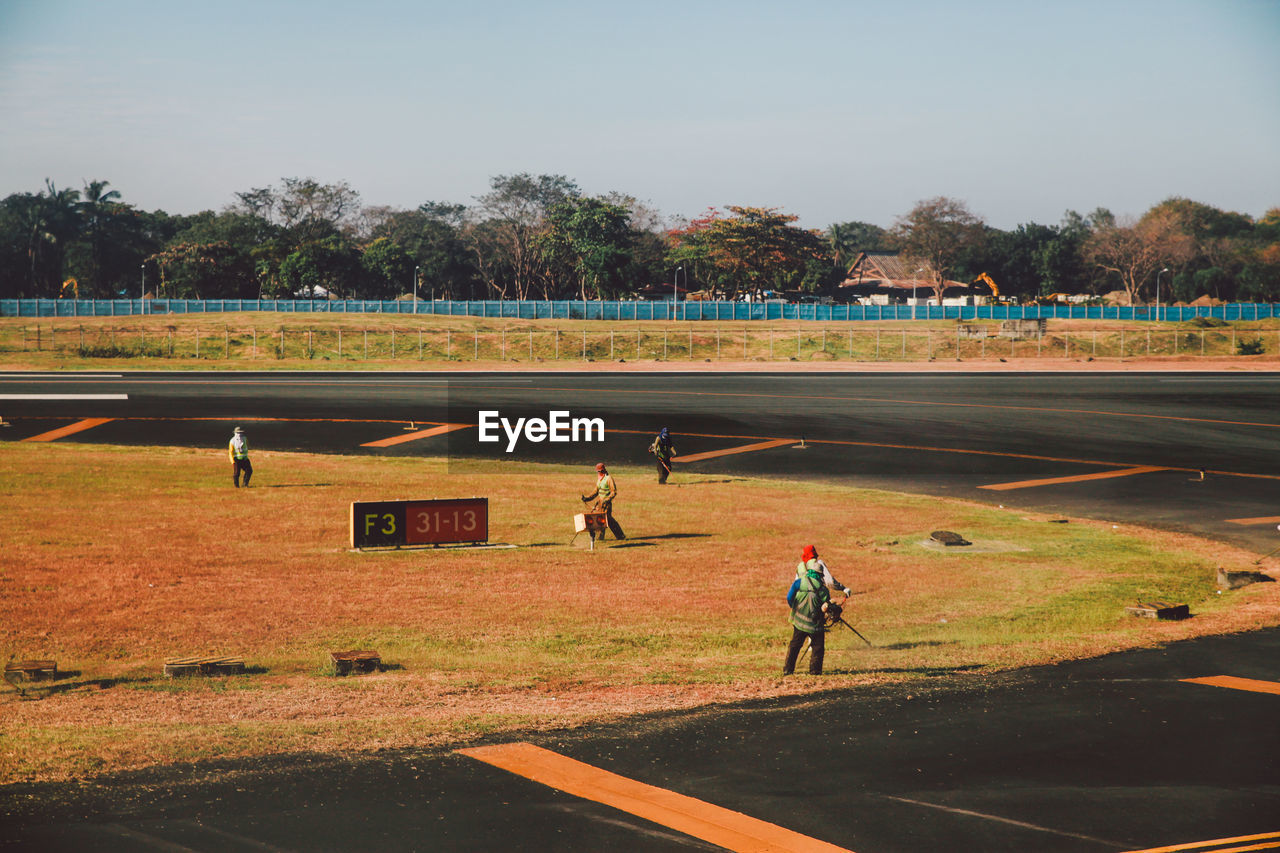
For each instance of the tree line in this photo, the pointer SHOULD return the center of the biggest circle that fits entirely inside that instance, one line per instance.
(539, 237)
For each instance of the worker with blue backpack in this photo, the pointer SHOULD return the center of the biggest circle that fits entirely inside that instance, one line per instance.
(809, 601)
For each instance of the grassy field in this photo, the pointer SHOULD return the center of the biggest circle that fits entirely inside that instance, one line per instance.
(370, 341)
(114, 559)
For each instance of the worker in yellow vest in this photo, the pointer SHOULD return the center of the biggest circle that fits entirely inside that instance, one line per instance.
(808, 599)
(605, 492)
(238, 452)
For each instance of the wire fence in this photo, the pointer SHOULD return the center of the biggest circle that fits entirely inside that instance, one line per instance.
(636, 311)
(687, 342)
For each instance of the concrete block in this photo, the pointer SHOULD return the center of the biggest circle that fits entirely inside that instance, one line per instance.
(1159, 610)
(345, 663)
(183, 667)
(1235, 580)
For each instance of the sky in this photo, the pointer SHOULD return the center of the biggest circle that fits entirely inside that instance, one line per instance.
(830, 111)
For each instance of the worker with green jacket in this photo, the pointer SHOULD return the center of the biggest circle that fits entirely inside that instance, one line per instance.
(808, 598)
(663, 449)
(238, 453)
(823, 569)
(605, 492)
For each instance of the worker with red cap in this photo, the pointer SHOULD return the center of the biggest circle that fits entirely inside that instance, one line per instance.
(605, 492)
(808, 599)
(811, 553)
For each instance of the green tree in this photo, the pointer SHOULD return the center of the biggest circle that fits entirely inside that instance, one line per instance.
(203, 271)
(1203, 222)
(19, 215)
(389, 270)
(514, 210)
(97, 208)
(648, 250)
(50, 222)
(432, 237)
(1135, 252)
(262, 244)
(848, 240)
(1211, 280)
(1029, 261)
(1259, 277)
(755, 249)
(593, 238)
(307, 210)
(1221, 241)
(332, 264)
(935, 234)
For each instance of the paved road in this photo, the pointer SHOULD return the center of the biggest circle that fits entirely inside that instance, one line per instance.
(1142, 438)
(1119, 753)
(1112, 754)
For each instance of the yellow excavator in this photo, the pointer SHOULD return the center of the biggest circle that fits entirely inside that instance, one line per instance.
(75, 289)
(1051, 299)
(986, 279)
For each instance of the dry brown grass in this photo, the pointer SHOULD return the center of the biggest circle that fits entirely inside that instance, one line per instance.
(114, 559)
(292, 341)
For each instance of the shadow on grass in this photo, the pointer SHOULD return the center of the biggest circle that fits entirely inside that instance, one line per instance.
(929, 671)
(897, 647)
(631, 543)
(68, 680)
(669, 536)
(356, 672)
(295, 486)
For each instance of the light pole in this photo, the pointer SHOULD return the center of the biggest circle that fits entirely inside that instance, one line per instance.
(1162, 272)
(415, 289)
(915, 283)
(675, 289)
(143, 267)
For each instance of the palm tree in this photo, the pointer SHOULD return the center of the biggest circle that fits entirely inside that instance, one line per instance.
(51, 224)
(840, 238)
(96, 207)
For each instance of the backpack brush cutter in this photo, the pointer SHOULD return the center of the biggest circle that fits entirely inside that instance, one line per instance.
(830, 619)
(835, 615)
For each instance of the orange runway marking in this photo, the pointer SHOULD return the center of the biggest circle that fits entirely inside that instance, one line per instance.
(70, 429)
(853, 399)
(1273, 839)
(414, 436)
(1054, 481)
(1273, 519)
(1251, 684)
(746, 448)
(930, 449)
(729, 829)
(761, 438)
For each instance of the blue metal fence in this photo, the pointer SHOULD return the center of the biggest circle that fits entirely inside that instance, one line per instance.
(588, 310)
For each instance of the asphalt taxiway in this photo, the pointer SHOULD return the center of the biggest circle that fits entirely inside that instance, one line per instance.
(1168, 749)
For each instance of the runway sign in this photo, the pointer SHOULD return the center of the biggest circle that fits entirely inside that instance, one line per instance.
(394, 524)
(596, 522)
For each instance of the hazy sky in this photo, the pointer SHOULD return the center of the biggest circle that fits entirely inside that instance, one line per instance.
(833, 111)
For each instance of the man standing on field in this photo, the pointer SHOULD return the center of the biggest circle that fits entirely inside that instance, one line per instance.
(606, 491)
(238, 452)
(808, 599)
(663, 449)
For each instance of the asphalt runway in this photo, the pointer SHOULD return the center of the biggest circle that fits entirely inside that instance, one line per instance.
(1113, 754)
(1118, 753)
(1110, 446)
